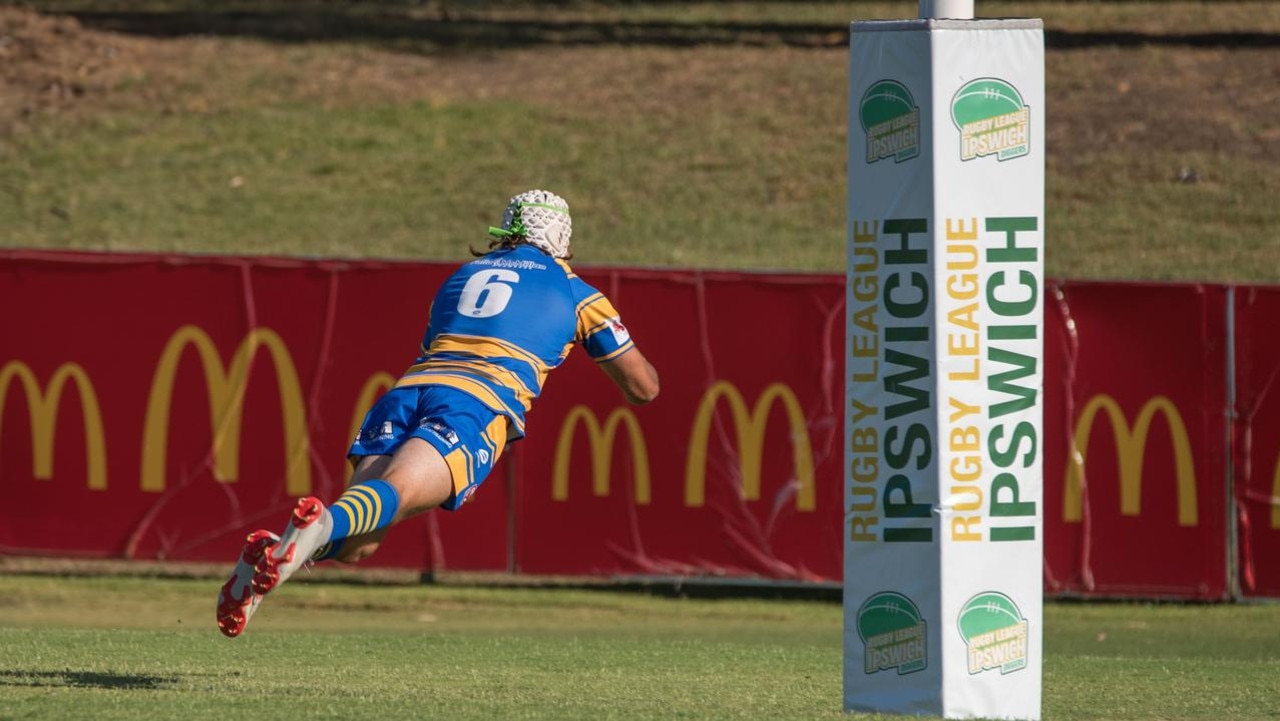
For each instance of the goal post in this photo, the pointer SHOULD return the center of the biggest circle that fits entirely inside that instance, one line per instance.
(944, 367)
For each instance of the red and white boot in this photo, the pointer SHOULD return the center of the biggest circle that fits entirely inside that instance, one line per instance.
(236, 599)
(308, 530)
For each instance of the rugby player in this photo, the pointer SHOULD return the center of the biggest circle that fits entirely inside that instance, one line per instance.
(497, 327)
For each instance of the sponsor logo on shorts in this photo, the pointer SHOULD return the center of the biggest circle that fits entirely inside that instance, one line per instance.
(377, 433)
(441, 431)
(483, 455)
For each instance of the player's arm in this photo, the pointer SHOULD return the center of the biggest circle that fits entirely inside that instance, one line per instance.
(634, 375)
(608, 342)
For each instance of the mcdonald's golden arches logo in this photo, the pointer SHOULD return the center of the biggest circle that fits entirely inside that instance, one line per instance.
(42, 405)
(226, 386)
(750, 429)
(601, 441)
(1131, 447)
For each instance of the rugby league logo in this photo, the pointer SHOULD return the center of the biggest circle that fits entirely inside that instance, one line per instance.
(893, 634)
(995, 632)
(992, 120)
(891, 119)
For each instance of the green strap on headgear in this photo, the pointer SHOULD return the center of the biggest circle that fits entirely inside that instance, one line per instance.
(500, 233)
(517, 222)
(517, 227)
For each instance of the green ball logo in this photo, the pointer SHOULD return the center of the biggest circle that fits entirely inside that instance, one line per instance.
(995, 633)
(987, 612)
(885, 613)
(891, 121)
(982, 99)
(884, 101)
(992, 119)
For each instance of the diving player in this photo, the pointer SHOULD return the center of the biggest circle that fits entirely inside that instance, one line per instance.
(497, 327)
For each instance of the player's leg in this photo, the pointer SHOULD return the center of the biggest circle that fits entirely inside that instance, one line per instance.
(368, 507)
(410, 459)
(363, 470)
(422, 480)
(415, 479)
(432, 434)
(267, 559)
(391, 473)
(455, 444)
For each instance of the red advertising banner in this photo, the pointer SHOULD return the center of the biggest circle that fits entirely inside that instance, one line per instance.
(1135, 464)
(193, 398)
(734, 471)
(163, 406)
(1257, 440)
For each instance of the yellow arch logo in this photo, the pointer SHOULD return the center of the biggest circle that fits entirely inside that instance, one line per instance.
(600, 439)
(750, 428)
(43, 412)
(226, 386)
(1130, 447)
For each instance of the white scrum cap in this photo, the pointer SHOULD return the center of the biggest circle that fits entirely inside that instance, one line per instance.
(541, 219)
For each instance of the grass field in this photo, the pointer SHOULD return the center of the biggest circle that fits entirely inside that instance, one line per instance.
(146, 648)
(684, 134)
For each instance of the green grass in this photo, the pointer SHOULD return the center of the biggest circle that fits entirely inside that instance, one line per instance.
(348, 182)
(678, 156)
(422, 179)
(131, 648)
(1123, 217)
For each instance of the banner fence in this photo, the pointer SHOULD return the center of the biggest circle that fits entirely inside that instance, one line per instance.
(160, 407)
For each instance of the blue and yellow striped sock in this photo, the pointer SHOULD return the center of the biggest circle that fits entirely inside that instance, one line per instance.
(363, 508)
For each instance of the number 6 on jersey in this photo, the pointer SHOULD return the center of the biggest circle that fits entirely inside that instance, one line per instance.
(495, 301)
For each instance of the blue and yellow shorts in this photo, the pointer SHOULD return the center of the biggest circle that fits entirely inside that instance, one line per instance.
(469, 434)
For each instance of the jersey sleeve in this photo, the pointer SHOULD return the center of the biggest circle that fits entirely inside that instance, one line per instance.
(600, 328)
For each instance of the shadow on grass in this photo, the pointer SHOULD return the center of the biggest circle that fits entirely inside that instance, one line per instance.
(445, 32)
(86, 679)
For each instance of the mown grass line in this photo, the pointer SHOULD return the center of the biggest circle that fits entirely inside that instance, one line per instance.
(122, 647)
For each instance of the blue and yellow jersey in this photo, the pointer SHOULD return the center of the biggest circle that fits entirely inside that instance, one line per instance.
(500, 323)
